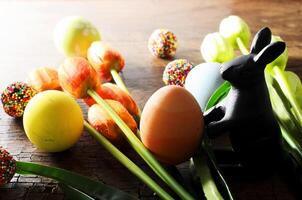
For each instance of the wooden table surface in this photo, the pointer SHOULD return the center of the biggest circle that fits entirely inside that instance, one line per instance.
(26, 43)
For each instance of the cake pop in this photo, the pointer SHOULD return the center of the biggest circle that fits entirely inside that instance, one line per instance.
(176, 72)
(15, 98)
(162, 43)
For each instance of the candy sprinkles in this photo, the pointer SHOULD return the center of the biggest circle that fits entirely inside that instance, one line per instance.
(7, 166)
(162, 43)
(15, 98)
(176, 72)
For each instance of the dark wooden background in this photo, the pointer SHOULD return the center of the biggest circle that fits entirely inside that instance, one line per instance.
(26, 43)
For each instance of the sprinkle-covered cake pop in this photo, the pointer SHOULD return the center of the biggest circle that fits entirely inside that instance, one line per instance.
(15, 98)
(7, 167)
(162, 43)
(176, 72)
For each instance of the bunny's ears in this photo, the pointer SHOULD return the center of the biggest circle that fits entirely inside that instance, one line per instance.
(261, 40)
(269, 53)
(266, 52)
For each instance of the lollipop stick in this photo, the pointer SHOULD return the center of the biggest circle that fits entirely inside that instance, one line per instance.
(140, 148)
(241, 46)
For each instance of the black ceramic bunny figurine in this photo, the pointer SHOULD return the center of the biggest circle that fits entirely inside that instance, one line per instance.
(246, 112)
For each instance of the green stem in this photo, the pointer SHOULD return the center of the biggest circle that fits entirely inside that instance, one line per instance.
(120, 83)
(223, 186)
(126, 162)
(140, 148)
(208, 185)
(282, 81)
(94, 188)
(118, 80)
(241, 46)
(291, 131)
(291, 141)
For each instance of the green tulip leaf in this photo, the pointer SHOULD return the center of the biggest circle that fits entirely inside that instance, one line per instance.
(218, 94)
(72, 193)
(91, 187)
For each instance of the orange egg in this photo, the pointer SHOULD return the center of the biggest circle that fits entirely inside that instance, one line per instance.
(172, 124)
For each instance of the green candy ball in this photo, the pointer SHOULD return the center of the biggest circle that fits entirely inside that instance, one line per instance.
(281, 61)
(234, 27)
(215, 48)
(73, 36)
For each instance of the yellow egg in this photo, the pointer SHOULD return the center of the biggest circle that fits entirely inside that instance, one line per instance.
(53, 121)
(172, 124)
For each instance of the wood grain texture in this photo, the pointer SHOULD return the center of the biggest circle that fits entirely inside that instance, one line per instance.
(26, 43)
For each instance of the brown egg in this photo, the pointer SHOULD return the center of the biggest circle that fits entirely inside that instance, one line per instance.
(172, 124)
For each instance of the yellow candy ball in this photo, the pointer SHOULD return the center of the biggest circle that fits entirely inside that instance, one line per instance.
(53, 121)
